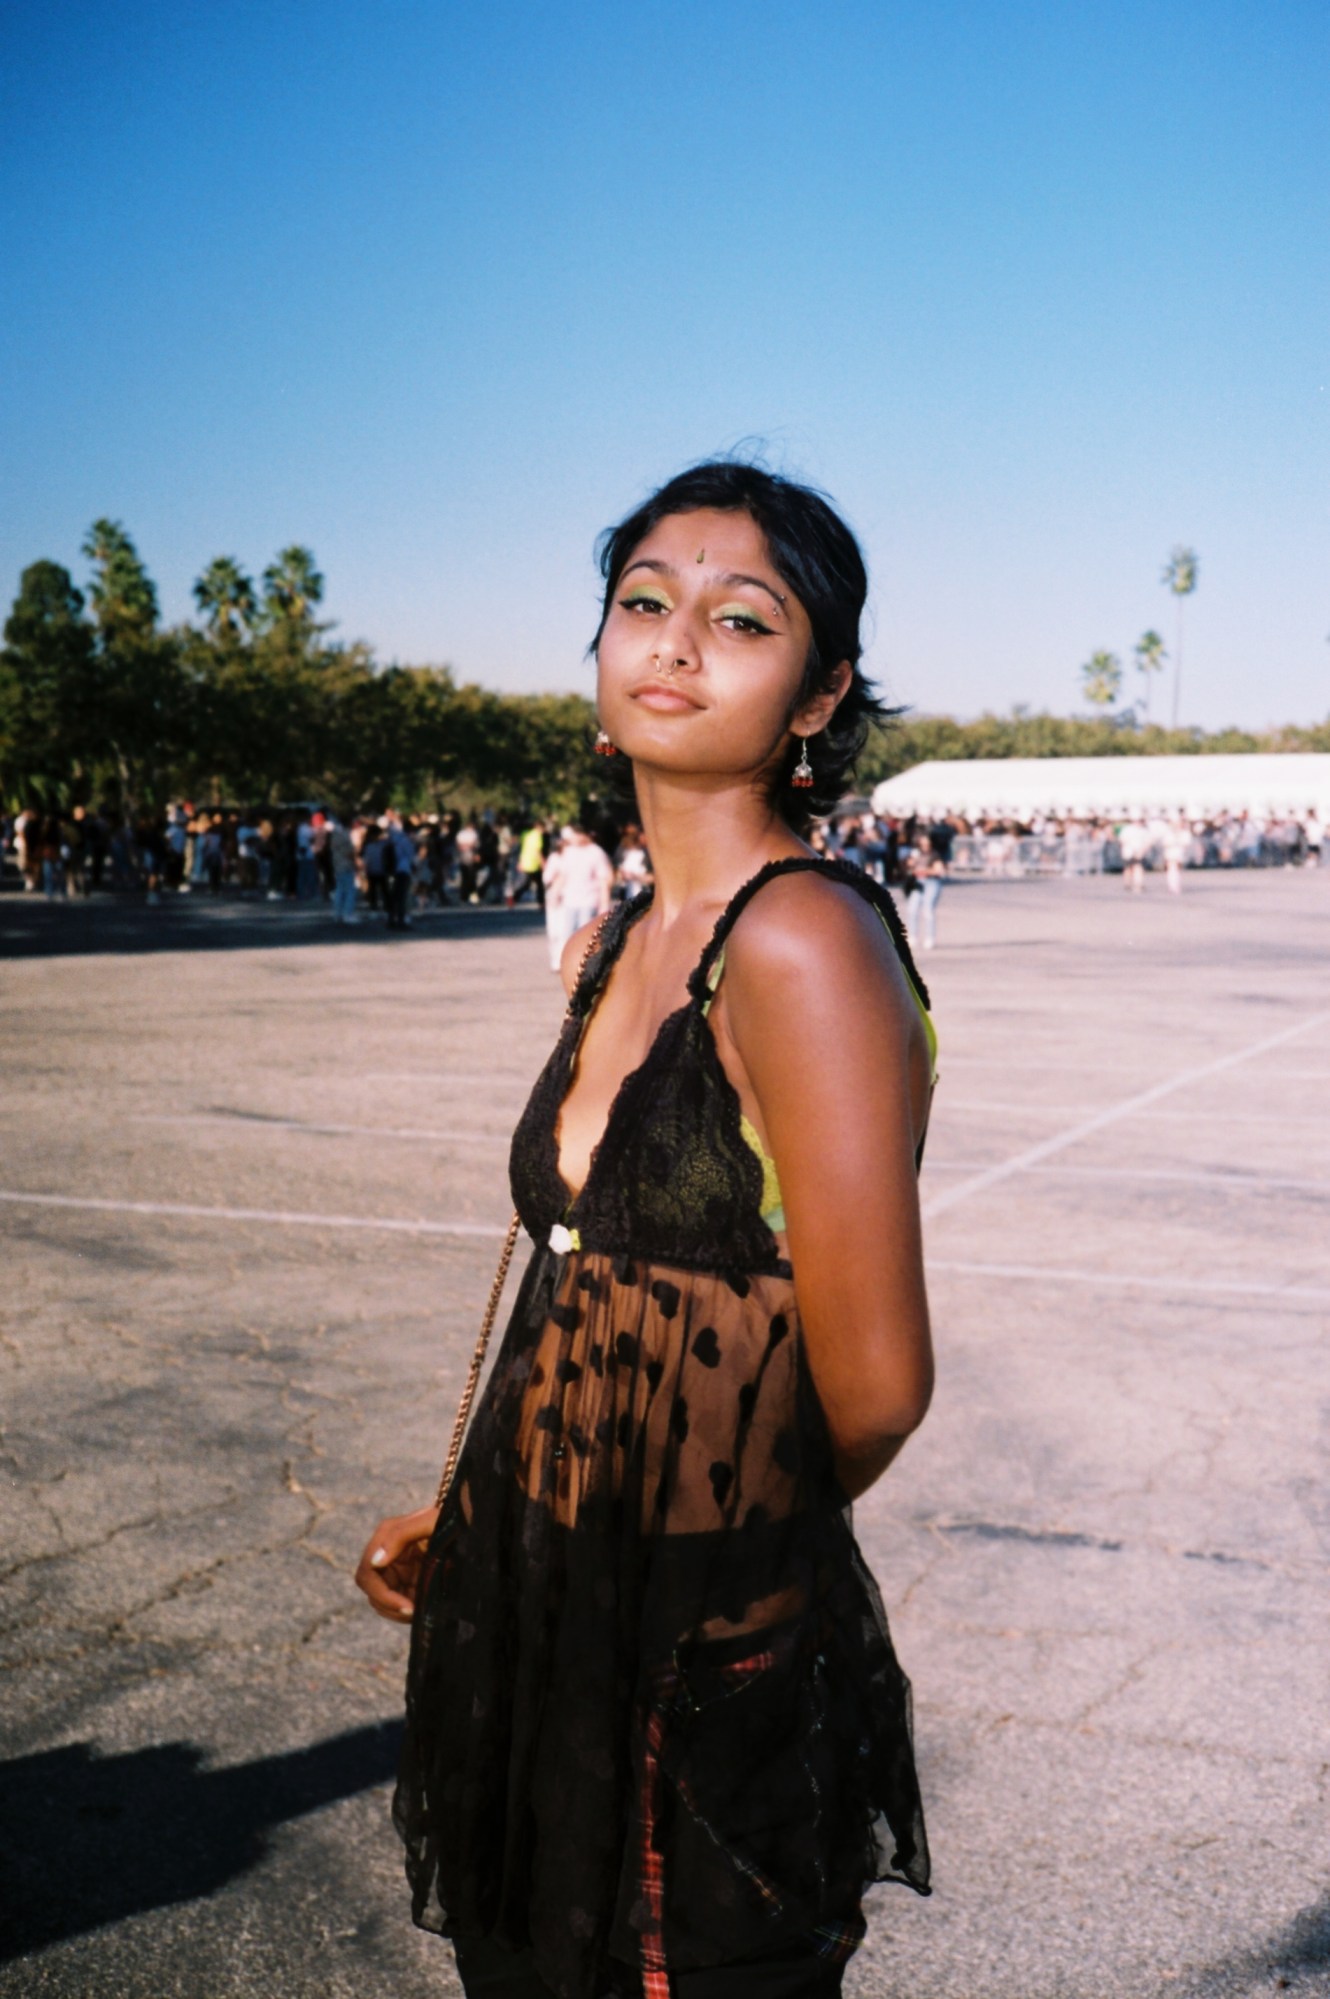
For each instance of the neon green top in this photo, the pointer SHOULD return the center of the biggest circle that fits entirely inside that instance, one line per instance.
(773, 1211)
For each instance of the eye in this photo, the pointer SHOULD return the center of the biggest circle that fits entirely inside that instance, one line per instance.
(740, 619)
(643, 600)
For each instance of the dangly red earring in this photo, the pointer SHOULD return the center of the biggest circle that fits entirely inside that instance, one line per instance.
(802, 774)
(603, 746)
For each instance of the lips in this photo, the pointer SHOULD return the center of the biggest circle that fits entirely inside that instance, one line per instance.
(658, 694)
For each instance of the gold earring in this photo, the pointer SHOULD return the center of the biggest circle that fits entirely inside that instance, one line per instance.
(802, 774)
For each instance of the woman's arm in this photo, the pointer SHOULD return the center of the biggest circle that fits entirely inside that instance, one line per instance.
(820, 1013)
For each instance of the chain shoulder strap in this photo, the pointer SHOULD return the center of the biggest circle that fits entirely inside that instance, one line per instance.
(496, 1291)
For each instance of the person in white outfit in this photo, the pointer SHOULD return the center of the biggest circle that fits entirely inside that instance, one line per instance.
(578, 880)
(1177, 847)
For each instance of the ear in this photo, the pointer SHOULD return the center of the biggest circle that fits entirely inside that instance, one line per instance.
(816, 713)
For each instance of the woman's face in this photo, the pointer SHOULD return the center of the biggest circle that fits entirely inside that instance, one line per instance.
(703, 650)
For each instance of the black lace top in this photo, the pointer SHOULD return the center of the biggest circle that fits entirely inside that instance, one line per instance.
(654, 1717)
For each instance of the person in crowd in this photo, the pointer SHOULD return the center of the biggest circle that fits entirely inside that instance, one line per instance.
(76, 852)
(530, 863)
(306, 870)
(50, 842)
(27, 847)
(323, 860)
(657, 1738)
(1134, 843)
(556, 929)
(146, 845)
(374, 861)
(587, 878)
(489, 873)
(195, 865)
(342, 858)
(632, 863)
(436, 852)
(213, 854)
(177, 821)
(468, 860)
(1175, 840)
(928, 871)
(249, 845)
(399, 857)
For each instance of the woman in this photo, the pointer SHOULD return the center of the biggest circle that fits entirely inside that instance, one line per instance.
(657, 1738)
(929, 870)
(632, 863)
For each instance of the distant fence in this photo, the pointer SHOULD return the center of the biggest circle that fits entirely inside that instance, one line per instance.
(1017, 856)
(1014, 855)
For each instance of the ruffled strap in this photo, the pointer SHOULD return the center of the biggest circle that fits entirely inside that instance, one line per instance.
(700, 982)
(604, 949)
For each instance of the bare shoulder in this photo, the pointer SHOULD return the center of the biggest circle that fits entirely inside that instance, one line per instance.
(570, 958)
(812, 969)
(803, 926)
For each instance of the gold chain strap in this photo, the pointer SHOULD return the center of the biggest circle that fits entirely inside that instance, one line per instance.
(496, 1292)
(478, 1359)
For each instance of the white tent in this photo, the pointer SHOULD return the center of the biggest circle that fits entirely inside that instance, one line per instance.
(1017, 787)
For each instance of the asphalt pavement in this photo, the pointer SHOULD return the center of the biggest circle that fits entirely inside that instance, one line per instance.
(252, 1186)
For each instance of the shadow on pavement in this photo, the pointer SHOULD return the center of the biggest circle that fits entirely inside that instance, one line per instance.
(30, 927)
(1285, 1962)
(87, 1840)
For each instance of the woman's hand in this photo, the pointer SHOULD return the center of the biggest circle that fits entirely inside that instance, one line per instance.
(390, 1566)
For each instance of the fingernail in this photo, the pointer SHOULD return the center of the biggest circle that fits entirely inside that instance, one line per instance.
(378, 1558)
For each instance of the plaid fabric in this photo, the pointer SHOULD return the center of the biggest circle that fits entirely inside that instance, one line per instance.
(837, 1942)
(651, 1860)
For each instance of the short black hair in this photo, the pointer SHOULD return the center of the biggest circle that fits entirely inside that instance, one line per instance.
(812, 550)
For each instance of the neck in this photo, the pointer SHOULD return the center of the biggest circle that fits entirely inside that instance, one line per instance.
(706, 836)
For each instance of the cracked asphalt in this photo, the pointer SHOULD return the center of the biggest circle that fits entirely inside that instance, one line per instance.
(1104, 1557)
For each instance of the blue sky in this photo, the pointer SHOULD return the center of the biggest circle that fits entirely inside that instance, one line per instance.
(1033, 291)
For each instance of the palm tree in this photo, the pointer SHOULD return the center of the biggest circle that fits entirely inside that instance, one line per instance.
(292, 586)
(226, 598)
(1180, 574)
(1101, 677)
(122, 592)
(1150, 657)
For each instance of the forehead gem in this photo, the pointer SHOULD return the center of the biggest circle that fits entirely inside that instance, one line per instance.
(701, 555)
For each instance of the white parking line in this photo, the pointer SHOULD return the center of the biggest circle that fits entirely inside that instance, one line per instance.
(993, 1176)
(277, 1216)
(247, 1121)
(1037, 1273)
(963, 1106)
(1238, 1183)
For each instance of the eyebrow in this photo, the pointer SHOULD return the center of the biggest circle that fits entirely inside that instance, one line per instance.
(730, 576)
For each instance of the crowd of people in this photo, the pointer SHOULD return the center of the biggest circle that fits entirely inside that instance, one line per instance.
(395, 867)
(1169, 841)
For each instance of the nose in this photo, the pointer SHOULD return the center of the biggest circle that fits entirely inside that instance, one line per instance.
(674, 648)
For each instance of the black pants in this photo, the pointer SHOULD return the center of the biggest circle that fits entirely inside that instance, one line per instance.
(490, 1972)
(396, 889)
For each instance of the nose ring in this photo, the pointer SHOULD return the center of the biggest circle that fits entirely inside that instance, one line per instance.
(666, 670)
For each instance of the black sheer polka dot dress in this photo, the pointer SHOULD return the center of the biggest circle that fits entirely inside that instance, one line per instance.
(654, 1717)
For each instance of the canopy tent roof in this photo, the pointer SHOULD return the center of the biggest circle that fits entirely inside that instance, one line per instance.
(1016, 787)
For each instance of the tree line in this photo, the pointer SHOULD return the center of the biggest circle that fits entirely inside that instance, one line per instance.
(257, 704)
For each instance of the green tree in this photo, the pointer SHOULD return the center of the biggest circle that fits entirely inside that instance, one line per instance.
(292, 589)
(48, 719)
(123, 595)
(1180, 573)
(142, 692)
(225, 596)
(1150, 657)
(1101, 678)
